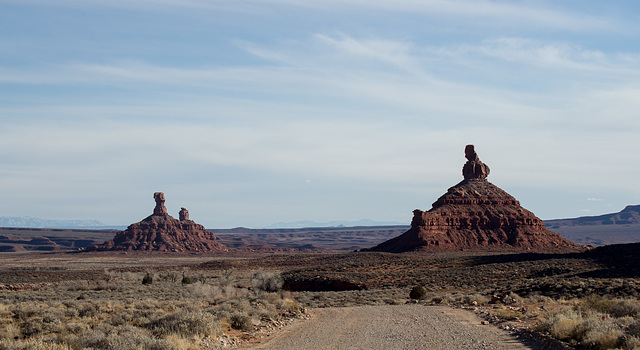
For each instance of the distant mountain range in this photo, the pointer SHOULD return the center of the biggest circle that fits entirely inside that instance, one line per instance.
(359, 223)
(33, 222)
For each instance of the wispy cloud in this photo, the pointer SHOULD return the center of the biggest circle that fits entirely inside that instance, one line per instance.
(498, 13)
(392, 52)
(410, 78)
(553, 55)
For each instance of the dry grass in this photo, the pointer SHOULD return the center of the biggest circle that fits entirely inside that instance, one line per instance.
(596, 323)
(123, 313)
(74, 307)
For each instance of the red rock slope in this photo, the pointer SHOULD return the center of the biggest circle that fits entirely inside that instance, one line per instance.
(476, 215)
(161, 232)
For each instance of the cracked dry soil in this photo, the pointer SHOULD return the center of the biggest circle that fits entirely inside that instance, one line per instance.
(409, 326)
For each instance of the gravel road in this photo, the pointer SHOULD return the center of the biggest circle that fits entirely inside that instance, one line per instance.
(408, 326)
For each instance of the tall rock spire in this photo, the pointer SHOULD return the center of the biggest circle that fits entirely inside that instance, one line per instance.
(474, 168)
(476, 215)
(161, 232)
(160, 209)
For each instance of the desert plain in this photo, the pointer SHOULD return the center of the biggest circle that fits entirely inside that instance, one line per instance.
(243, 298)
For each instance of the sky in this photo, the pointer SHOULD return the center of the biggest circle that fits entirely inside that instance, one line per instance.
(253, 112)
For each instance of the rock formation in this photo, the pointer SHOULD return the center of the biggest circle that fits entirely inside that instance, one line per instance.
(161, 232)
(476, 215)
(183, 214)
(160, 209)
(474, 168)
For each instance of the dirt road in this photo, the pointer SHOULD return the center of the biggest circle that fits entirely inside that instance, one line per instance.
(392, 327)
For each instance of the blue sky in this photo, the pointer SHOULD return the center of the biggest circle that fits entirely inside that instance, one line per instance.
(261, 111)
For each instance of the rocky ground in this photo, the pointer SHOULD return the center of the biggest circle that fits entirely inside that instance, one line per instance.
(608, 271)
(491, 285)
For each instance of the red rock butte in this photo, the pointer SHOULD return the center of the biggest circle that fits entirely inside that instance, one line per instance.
(161, 232)
(476, 215)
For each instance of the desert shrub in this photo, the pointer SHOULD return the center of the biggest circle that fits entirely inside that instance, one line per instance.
(417, 293)
(538, 298)
(186, 280)
(625, 307)
(240, 321)
(292, 306)
(593, 324)
(603, 332)
(474, 299)
(512, 298)
(32, 344)
(89, 309)
(147, 279)
(171, 276)
(598, 303)
(631, 343)
(565, 324)
(130, 276)
(122, 338)
(603, 339)
(633, 329)
(201, 290)
(9, 331)
(508, 313)
(186, 324)
(24, 311)
(77, 285)
(76, 328)
(266, 281)
(32, 327)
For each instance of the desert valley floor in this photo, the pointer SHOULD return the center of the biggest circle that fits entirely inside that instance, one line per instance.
(189, 301)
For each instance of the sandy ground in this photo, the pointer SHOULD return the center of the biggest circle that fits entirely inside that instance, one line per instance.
(408, 326)
(100, 260)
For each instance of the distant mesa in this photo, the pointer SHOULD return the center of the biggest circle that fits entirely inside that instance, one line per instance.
(476, 215)
(630, 215)
(615, 228)
(161, 232)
